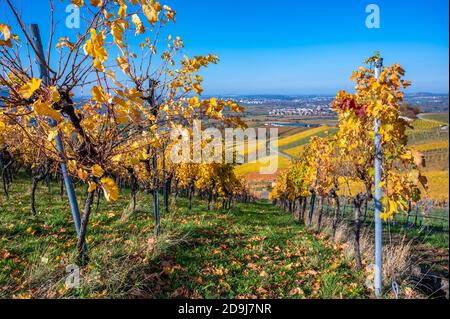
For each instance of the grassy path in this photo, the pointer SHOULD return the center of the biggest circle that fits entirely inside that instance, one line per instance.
(251, 251)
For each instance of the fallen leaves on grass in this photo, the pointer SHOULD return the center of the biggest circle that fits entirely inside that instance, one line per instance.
(252, 266)
(180, 292)
(261, 292)
(4, 254)
(30, 231)
(297, 292)
(309, 272)
(220, 271)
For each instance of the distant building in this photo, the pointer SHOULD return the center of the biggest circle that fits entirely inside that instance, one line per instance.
(320, 110)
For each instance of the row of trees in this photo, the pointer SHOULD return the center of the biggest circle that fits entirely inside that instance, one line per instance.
(142, 85)
(334, 163)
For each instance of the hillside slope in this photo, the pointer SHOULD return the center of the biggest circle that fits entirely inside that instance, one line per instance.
(253, 250)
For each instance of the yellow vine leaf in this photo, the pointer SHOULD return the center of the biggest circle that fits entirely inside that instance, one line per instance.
(135, 115)
(406, 156)
(92, 187)
(137, 24)
(51, 135)
(82, 174)
(121, 115)
(110, 189)
(64, 42)
(150, 13)
(122, 11)
(72, 165)
(117, 29)
(56, 97)
(170, 13)
(117, 158)
(123, 64)
(157, 6)
(197, 88)
(27, 90)
(79, 3)
(43, 109)
(94, 48)
(5, 30)
(97, 3)
(97, 170)
(99, 95)
(236, 108)
(194, 101)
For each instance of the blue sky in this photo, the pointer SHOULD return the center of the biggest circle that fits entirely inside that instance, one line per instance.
(292, 46)
(305, 47)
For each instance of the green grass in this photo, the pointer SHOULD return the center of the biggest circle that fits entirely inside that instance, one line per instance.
(256, 251)
(253, 250)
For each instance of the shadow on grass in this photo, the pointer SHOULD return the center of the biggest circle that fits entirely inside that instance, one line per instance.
(189, 266)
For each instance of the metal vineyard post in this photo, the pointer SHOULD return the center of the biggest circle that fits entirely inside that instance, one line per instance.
(36, 37)
(378, 196)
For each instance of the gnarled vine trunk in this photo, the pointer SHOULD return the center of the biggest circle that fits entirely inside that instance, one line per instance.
(335, 221)
(358, 201)
(319, 219)
(81, 244)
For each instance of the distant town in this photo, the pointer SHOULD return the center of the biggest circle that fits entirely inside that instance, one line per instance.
(316, 105)
(319, 110)
(320, 105)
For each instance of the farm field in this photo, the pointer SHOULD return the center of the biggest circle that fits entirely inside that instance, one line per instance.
(432, 145)
(438, 117)
(438, 185)
(292, 141)
(424, 124)
(295, 147)
(303, 137)
(435, 147)
(288, 145)
(251, 251)
(249, 168)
